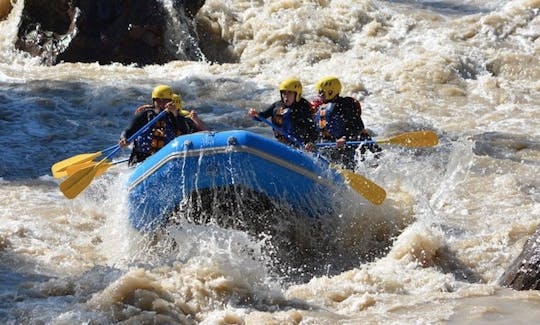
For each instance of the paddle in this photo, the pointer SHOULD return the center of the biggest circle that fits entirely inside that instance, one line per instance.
(414, 139)
(80, 180)
(75, 168)
(77, 182)
(59, 168)
(371, 191)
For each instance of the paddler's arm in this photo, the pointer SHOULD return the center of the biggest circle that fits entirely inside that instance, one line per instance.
(199, 124)
(139, 120)
(265, 114)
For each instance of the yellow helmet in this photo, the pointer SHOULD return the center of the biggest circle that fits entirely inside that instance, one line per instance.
(329, 86)
(179, 105)
(163, 92)
(292, 84)
(177, 101)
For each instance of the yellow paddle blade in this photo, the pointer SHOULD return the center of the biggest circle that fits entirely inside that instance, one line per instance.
(70, 170)
(59, 169)
(103, 168)
(77, 182)
(80, 180)
(100, 169)
(371, 191)
(414, 139)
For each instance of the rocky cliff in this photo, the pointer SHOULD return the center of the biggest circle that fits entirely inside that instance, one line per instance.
(106, 31)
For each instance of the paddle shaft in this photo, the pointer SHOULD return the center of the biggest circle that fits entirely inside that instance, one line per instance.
(365, 187)
(115, 149)
(136, 134)
(147, 126)
(354, 143)
(58, 169)
(80, 180)
(413, 139)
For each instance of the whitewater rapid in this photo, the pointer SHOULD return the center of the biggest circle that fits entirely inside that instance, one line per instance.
(456, 215)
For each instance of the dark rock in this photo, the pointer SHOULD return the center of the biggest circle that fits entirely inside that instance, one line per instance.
(506, 146)
(192, 7)
(106, 31)
(524, 272)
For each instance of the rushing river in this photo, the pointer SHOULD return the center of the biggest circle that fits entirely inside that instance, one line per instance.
(456, 214)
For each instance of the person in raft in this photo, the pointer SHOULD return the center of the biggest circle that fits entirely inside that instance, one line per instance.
(338, 119)
(192, 117)
(162, 132)
(292, 114)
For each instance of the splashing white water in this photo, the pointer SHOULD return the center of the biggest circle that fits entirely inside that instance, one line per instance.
(455, 217)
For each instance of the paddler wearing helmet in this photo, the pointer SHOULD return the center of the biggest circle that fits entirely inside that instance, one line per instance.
(292, 114)
(338, 119)
(195, 123)
(161, 133)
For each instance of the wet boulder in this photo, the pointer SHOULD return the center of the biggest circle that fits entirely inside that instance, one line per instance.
(514, 147)
(106, 31)
(524, 272)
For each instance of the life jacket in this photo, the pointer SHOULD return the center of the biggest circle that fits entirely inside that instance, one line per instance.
(330, 118)
(282, 117)
(155, 138)
(328, 122)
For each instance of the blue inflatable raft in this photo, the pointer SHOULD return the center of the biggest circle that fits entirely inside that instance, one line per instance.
(214, 161)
